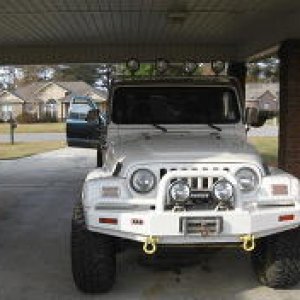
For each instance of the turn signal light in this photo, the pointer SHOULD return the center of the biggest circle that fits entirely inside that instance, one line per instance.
(285, 218)
(110, 192)
(111, 221)
(279, 189)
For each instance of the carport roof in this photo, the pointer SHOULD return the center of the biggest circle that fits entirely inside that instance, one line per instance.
(42, 31)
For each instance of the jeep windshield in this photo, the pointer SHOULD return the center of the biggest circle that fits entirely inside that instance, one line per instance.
(175, 105)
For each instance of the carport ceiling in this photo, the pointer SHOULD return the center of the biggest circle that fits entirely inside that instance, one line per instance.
(43, 31)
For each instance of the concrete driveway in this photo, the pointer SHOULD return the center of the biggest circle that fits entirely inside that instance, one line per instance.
(36, 199)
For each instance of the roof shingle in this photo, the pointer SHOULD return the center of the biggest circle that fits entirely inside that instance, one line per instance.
(76, 88)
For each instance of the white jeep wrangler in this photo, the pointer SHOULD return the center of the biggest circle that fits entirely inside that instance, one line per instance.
(177, 170)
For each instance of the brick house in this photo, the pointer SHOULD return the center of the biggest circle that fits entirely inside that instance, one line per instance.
(49, 99)
(264, 96)
(10, 103)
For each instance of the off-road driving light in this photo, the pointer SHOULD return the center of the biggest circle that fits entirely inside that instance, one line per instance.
(179, 191)
(247, 179)
(217, 66)
(222, 190)
(133, 65)
(190, 67)
(143, 181)
(161, 65)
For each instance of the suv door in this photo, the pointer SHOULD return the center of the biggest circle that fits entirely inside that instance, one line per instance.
(85, 126)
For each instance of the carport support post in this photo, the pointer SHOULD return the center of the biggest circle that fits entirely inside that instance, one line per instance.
(239, 71)
(289, 127)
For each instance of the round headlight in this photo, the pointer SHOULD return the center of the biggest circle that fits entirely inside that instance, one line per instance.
(222, 190)
(143, 181)
(247, 179)
(179, 191)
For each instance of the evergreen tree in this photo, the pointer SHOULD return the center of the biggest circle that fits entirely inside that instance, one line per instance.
(77, 72)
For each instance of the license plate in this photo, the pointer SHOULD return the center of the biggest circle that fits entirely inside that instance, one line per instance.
(204, 226)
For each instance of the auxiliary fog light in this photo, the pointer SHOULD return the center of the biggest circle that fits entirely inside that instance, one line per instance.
(217, 66)
(190, 67)
(222, 190)
(133, 65)
(161, 65)
(179, 191)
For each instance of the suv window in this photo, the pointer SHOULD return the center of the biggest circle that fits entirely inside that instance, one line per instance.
(175, 105)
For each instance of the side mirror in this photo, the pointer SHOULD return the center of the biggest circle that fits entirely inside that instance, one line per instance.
(255, 118)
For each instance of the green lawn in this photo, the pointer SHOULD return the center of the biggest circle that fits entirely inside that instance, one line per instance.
(23, 149)
(35, 128)
(268, 147)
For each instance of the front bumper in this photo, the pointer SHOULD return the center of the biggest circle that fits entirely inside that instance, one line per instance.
(138, 223)
(166, 225)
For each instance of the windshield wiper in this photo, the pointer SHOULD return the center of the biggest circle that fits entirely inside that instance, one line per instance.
(163, 129)
(214, 127)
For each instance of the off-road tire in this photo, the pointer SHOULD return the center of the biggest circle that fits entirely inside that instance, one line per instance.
(93, 257)
(276, 259)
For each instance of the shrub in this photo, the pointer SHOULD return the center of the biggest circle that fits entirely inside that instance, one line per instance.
(47, 118)
(27, 117)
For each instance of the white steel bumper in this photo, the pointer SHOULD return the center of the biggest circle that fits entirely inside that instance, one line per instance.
(166, 226)
(137, 224)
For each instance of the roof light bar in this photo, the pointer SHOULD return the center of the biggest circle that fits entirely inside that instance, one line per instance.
(217, 66)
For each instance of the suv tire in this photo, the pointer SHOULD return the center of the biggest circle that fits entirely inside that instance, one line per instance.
(276, 259)
(93, 257)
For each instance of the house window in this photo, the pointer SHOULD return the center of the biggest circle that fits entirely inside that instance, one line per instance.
(7, 108)
(51, 108)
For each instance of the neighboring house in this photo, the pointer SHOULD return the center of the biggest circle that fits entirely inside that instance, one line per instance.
(264, 96)
(49, 99)
(10, 105)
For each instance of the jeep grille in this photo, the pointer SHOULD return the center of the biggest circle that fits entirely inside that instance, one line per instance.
(201, 183)
(201, 186)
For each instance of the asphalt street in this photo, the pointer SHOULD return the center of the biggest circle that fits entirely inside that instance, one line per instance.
(33, 137)
(36, 199)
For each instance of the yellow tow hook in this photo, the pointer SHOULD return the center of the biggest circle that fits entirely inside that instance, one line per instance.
(248, 241)
(150, 245)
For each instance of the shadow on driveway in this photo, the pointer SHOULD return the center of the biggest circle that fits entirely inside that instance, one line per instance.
(36, 200)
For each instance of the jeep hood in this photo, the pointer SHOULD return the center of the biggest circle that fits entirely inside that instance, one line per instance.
(175, 147)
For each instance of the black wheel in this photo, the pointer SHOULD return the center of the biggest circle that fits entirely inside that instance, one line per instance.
(93, 257)
(276, 259)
